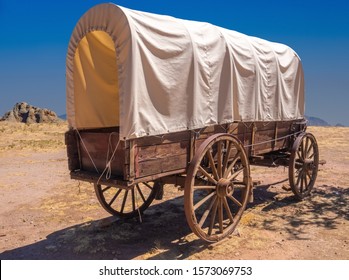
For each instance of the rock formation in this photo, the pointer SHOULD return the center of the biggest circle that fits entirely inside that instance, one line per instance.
(23, 112)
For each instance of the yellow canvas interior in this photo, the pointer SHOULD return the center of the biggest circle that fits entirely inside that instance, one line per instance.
(96, 82)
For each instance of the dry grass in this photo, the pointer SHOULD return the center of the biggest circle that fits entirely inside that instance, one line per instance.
(34, 137)
(333, 141)
(334, 149)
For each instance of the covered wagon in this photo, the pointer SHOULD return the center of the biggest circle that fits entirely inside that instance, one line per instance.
(155, 100)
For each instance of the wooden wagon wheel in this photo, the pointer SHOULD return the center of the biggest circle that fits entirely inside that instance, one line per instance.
(217, 187)
(304, 163)
(127, 203)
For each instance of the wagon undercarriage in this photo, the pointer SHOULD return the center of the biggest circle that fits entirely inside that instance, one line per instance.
(211, 165)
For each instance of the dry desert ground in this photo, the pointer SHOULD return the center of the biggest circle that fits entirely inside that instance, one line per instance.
(46, 215)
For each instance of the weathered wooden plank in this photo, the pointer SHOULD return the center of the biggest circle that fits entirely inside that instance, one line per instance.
(162, 151)
(265, 141)
(171, 154)
(191, 146)
(270, 146)
(161, 165)
(163, 139)
(159, 176)
(132, 172)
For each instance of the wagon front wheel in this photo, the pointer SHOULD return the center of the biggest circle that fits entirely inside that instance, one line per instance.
(127, 203)
(217, 187)
(304, 163)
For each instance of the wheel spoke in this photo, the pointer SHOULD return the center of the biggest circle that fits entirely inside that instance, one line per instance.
(306, 147)
(301, 176)
(204, 187)
(203, 171)
(213, 217)
(219, 159)
(123, 202)
(227, 171)
(227, 156)
(220, 214)
(114, 197)
(140, 192)
(233, 199)
(305, 179)
(207, 212)
(308, 174)
(235, 174)
(299, 155)
(106, 188)
(202, 201)
(133, 199)
(239, 185)
(297, 173)
(309, 149)
(227, 209)
(149, 186)
(212, 164)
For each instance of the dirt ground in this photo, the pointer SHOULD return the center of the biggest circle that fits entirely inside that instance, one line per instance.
(46, 215)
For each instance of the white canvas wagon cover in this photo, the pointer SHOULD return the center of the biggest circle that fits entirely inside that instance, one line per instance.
(153, 74)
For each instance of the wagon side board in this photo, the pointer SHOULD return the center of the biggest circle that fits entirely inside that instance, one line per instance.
(152, 157)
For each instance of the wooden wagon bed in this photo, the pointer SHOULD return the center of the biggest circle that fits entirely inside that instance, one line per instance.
(153, 157)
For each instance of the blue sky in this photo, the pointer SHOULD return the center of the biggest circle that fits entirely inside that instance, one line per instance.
(34, 36)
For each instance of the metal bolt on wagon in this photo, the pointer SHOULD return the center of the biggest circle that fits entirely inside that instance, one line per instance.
(155, 100)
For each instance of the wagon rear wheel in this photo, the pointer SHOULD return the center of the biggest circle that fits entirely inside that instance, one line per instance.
(217, 187)
(304, 163)
(127, 203)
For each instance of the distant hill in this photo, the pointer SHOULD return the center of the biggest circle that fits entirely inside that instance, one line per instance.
(26, 113)
(340, 125)
(313, 121)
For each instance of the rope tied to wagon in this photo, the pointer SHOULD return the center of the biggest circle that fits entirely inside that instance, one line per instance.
(107, 170)
(274, 139)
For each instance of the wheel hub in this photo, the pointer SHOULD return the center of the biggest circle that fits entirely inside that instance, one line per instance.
(224, 187)
(308, 164)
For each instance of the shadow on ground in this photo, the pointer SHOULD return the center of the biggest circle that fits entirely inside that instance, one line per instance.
(327, 207)
(163, 232)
